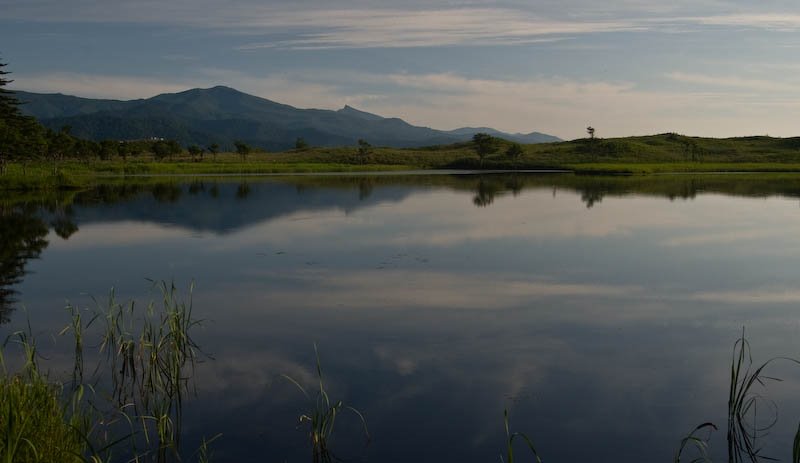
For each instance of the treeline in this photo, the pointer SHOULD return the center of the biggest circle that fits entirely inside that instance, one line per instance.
(23, 138)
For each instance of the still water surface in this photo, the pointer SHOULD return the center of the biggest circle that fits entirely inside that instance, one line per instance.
(600, 311)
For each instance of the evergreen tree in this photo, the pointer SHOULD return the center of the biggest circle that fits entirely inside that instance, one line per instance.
(21, 137)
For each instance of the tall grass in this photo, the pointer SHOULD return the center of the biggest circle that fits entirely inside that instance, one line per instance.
(321, 417)
(34, 424)
(751, 415)
(510, 442)
(129, 407)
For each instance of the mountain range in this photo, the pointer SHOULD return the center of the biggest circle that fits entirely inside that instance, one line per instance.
(222, 115)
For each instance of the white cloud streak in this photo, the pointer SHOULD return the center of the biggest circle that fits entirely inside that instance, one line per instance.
(312, 25)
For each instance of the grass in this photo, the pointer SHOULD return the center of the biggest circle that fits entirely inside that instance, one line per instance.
(510, 442)
(746, 423)
(35, 427)
(321, 418)
(700, 444)
(630, 155)
(131, 404)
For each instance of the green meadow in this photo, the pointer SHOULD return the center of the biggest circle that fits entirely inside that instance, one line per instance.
(665, 153)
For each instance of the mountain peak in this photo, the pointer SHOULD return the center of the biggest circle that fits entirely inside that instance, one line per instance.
(222, 88)
(351, 111)
(221, 114)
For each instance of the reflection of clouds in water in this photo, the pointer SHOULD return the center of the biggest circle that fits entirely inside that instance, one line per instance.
(115, 234)
(415, 289)
(725, 237)
(403, 363)
(447, 218)
(244, 376)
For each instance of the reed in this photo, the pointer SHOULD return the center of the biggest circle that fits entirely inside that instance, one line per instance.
(510, 442)
(321, 417)
(128, 408)
(34, 424)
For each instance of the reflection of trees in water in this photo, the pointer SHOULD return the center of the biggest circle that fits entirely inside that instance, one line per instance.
(590, 197)
(484, 193)
(197, 187)
(488, 188)
(243, 191)
(166, 192)
(23, 233)
(365, 187)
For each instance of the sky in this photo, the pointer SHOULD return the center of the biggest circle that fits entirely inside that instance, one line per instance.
(626, 67)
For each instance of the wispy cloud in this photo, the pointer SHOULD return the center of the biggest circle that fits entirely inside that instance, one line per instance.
(99, 86)
(728, 81)
(317, 25)
(421, 28)
(750, 296)
(778, 21)
(434, 290)
(328, 25)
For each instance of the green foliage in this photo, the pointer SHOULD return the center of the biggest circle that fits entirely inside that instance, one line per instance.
(485, 145)
(514, 151)
(364, 150)
(195, 152)
(108, 149)
(34, 426)
(300, 143)
(242, 148)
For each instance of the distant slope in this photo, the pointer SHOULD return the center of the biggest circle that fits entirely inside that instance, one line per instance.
(222, 115)
(50, 105)
(528, 138)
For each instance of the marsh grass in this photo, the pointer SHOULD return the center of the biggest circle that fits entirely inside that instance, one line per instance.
(321, 417)
(510, 436)
(128, 408)
(745, 403)
(35, 426)
(700, 444)
(151, 357)
(751, 415)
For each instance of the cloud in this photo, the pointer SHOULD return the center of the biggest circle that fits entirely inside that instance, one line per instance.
(390, 28)
(717, 81)
(427, 289)
(554, 104)
(777, 21)
(332, 24)
(750, 296)
(99, 86)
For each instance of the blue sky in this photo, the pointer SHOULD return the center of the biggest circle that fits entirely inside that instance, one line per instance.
(626, 67)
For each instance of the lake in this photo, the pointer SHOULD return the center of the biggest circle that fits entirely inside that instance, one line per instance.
(601, 312)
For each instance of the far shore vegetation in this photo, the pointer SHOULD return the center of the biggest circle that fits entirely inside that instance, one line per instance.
(81, 163)
(33, 157)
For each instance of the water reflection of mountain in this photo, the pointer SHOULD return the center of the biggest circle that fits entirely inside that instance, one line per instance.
(229, 204)
(222, 207)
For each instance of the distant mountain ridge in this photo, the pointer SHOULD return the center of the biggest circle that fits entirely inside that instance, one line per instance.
(222, 115)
